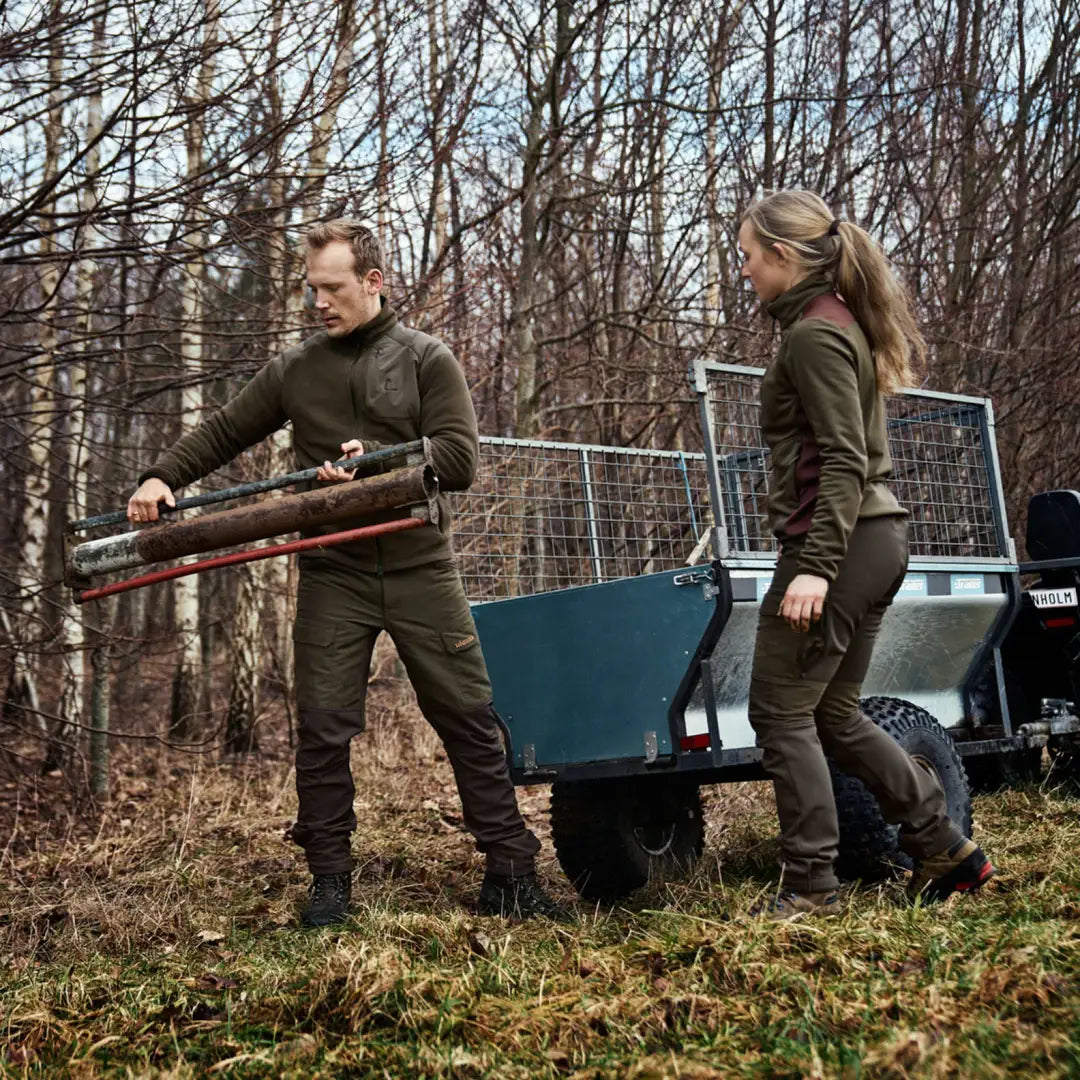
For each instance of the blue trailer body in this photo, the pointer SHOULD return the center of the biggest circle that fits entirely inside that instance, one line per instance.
(589, 677)
(584, 674)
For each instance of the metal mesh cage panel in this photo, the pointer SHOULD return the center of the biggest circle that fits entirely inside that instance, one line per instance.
(543, 516)
(942, 471)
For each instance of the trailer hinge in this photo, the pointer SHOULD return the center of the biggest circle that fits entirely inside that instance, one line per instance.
(651, 748)
(704, 578)
(528, 756)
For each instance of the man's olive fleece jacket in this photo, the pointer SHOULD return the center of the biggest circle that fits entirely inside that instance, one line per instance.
(382, 384)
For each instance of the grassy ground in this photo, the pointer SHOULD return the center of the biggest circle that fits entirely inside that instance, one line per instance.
(162, 942)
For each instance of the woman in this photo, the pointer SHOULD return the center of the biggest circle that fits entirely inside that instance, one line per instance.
(847, 335)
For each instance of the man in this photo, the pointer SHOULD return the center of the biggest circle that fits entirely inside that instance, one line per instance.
(363, 383)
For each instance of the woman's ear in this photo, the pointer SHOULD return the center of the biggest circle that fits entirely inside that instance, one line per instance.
(780, 252)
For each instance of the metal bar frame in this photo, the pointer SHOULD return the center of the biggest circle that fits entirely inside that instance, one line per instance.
(997, 502)
(590, 515)
(756, 372)
(547, 444)
(977, 410)
(700, 382)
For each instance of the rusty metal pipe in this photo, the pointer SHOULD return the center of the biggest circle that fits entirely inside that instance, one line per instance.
(331, 505)
(250, 555)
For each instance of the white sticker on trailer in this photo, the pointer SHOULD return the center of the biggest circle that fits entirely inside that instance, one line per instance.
(1043, 598)
(967, 585)
(913, 585)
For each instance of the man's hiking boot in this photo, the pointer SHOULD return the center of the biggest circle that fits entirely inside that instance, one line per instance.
(787, 904)
(961, 868)
(517, 898)
(328, 901)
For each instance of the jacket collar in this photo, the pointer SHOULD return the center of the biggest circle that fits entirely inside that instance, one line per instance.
(788, 306)
(365, 334)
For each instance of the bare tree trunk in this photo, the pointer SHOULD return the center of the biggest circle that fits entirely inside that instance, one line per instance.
(74, 632)
(768, 170)
(382, 182)
(42, 408)
(437, 75)
(243, 693)
(274, 579)
(190, 690)
(715, 269)
(265, 590)
(326, 121)
(99, 720)
(527, 291)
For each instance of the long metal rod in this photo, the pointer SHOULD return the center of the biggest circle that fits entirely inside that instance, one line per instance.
(256, 487)
(758, 372)
(620, 451)
(252, 555)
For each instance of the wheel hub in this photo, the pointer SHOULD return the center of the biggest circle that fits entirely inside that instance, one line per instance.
(654, 838)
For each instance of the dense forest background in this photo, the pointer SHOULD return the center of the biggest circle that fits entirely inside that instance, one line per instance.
(557, 187)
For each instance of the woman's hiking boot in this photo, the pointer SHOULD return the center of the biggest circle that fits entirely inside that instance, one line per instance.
(960, 868)
(787, 904)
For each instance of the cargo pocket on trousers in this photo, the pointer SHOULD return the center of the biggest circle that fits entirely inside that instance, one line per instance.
(318, 672)
(816, 645)
(467, 667)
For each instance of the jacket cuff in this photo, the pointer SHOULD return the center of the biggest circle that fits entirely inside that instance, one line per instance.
(822, 568)
(159, 474)
(370, 447)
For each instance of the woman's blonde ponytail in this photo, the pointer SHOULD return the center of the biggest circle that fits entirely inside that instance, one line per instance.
(859, 271)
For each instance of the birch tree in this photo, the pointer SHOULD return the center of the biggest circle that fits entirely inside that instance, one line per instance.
(190, 692)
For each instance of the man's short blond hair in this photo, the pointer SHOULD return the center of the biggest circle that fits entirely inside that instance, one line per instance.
(367, 253)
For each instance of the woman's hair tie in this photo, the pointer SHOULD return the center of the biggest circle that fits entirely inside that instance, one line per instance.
(834, 227)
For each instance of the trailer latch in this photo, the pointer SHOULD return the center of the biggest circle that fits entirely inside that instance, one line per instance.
(704, 578)
(651, 748)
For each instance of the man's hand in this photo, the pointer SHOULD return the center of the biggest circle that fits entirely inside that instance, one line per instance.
(143, 505)
(804, 601)
(328, 471)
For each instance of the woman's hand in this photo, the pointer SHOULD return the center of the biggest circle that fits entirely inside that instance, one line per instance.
(804, 600)
(143, 505)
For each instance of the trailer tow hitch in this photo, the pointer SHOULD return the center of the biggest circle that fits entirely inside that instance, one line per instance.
(1058, 717)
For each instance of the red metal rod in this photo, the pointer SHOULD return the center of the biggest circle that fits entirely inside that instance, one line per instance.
(252, 555)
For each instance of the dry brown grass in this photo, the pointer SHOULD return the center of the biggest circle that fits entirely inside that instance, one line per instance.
(161, 942)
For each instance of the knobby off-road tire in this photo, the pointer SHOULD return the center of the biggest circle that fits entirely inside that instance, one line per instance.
(612, 836)
(868, 847)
